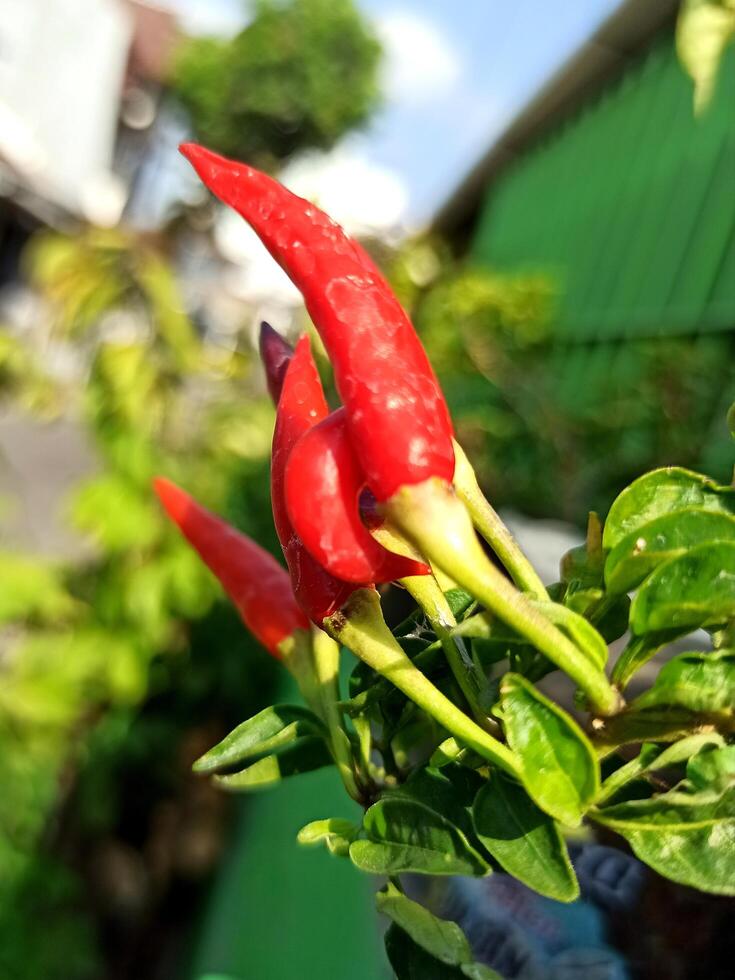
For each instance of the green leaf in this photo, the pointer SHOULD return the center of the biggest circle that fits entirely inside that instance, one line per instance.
(449, 791)
(702, 682)
(662, 492)
(262, 734)
(696, 589)
(443, 940)
(713, 769)
(523, 839)
(558, 764)
(638, 651)
(337, 834)
(689, 838)
(411, 962)
(403, 835)
(303, 756)
(649, 725)
(583, 565)
(638, 554)
(652, 757)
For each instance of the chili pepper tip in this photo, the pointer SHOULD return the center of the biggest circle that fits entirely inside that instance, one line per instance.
(275, 354)
(176, 502)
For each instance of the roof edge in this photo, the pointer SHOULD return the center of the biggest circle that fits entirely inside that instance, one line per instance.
(601, 56)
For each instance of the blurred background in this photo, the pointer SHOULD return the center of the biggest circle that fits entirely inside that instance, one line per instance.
(551, 190)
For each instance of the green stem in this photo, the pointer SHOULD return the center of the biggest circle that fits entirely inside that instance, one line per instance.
(297, 653)
(438, 523)
(326, 667)
(432, 600)
(488, 523)
(361, 627)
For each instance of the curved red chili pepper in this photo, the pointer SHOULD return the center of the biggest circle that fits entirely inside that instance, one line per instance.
(323, 484)
(300, 406)
(398, 420)
(275, 354)
(259, 587)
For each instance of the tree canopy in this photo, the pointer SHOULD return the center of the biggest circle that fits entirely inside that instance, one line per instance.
(300, 75)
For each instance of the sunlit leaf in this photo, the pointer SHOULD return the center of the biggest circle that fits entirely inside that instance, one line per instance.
(696, 589)
(523, 839)
(558, 765)
(660, 492)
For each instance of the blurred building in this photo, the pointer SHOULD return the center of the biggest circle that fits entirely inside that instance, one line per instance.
(608, 181)
(81, 83)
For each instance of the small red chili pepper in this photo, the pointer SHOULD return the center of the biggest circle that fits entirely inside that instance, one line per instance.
(275, 354)
(259, 587)
(323, 485)
(302, 405)
(398, 420)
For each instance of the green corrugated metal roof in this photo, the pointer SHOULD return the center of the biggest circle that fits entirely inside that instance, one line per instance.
(631, 205)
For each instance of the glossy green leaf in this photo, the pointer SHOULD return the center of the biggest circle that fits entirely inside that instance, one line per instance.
(523, 839)
(638, 651)
(558, 764)
(713, 769)
(662, 492)
(583, 565)
(262, 734)
(411, 962)
(638, 554)
(449, 751)
(696, 589)
(307, 754)
(648, 725)
(442, 939)
(699, 681)
(449, 791)
(652, 757)
(403, 835)
(689, 838)
(335, 833)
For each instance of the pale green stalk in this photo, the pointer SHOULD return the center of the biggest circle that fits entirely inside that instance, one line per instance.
(438, 524)
(361, 627)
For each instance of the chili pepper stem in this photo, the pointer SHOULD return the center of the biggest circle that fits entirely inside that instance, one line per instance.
(432, 600)
(297, 655)
(391, 540)
(361, 627)
(432, 516)
(488, 523)
(326, 669)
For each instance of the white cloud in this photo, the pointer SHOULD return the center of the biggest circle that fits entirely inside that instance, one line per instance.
(419, 62)
(215, 18)
(364, 197)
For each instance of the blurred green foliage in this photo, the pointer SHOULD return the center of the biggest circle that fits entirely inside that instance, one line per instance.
(300, 75)
(91, 649)
(704, 30)
(537, 448)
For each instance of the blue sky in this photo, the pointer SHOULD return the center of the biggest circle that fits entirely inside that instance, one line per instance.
(456, 72)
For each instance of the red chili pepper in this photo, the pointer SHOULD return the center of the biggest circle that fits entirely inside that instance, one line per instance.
(275, 353)
(300, 406)
(327, 518)
(259, 587)
(398, 420)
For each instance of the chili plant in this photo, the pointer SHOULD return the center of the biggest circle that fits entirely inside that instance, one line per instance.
(462, 764)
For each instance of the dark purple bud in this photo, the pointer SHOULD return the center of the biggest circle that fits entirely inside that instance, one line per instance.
(275, 353)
